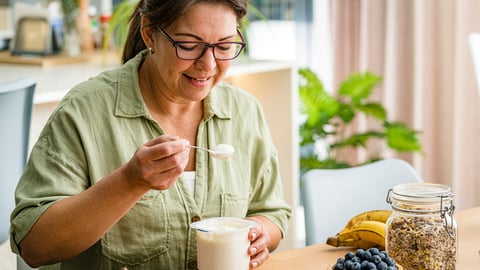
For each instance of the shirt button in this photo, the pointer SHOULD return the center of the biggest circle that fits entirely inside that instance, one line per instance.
(195, 218)
(192, 264)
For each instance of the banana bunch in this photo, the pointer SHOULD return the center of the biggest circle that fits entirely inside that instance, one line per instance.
(364, 231)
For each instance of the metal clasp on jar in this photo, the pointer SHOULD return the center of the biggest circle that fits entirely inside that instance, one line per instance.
(444, 213)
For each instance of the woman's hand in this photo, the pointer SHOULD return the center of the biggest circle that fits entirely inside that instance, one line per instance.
(260, 242)
(158, 163)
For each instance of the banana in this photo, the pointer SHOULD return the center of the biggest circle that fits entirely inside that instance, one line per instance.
(354, 243)
(364, 230)
(365, 234)
(375, 215)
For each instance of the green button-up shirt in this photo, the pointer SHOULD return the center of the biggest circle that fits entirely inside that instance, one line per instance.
(100, 124)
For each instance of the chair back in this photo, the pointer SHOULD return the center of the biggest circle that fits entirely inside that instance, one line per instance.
(16, 102)
(332, 196)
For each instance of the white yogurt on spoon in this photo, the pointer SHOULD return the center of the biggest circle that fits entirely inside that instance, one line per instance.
(220, 151)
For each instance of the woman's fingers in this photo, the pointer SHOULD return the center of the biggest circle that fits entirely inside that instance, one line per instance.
(162, 147)
(258, 250)
(159, 162)
(162, 138)
(259, 258)
(258, 244)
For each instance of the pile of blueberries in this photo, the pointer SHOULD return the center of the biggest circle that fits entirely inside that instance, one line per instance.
(369, 259)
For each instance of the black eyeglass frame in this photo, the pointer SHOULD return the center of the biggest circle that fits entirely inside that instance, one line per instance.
(176, 43)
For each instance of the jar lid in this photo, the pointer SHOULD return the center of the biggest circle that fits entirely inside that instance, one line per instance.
(422, 193)
(422, 190)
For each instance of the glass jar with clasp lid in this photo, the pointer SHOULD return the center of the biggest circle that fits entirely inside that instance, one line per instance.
(422, 232)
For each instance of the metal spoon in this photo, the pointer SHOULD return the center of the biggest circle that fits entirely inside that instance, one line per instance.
(221, 151)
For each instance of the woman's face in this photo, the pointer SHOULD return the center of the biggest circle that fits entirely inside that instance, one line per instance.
(193, 79)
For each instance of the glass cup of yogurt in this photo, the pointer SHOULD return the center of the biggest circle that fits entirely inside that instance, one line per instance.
(222, 243)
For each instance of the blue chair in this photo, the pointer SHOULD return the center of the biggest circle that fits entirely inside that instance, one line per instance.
(16, 103)
(332, 196)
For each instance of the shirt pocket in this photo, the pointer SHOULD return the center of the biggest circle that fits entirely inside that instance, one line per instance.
(142, 234)
(234, 205)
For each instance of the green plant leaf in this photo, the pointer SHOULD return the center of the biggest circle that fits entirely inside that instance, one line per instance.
(310, 134)
(118, 25)
(402, 138)
(346, 112)
(359, 86)
(316, 103)
(373, 109)
(312, 162)
(358, 139)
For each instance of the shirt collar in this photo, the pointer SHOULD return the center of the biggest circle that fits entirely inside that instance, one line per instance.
(129, 101)
(216, 103)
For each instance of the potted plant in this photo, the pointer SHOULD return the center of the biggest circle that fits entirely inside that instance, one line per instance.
(71, 37)
(70, 13)
(330, 119)
(117, 30)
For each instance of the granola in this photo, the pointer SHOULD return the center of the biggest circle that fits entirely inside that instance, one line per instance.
(421, 243)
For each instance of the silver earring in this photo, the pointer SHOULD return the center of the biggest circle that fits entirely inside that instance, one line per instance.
(150, 50)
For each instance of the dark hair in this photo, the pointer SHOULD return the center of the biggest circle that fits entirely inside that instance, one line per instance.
(164, 13)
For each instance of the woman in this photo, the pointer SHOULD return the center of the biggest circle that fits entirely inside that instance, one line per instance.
(112, 181)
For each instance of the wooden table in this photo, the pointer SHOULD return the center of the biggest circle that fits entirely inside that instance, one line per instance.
(322, 256)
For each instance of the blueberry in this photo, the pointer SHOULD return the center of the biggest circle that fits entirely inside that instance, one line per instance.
(341, 260)
(376, 259)
(364, 265)
(367, 256)
(374, 251)
(339, 266)
(360, 252)
(382, 255)
(356, 259)
(349, 255)
(389, 261)
(371, 266)
(348, 265)
(356, 266)
(382, 266)
(392, 268)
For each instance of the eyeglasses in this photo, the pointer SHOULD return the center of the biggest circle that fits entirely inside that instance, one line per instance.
(193, 50)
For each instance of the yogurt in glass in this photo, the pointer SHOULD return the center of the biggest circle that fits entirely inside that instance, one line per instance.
(222, 243)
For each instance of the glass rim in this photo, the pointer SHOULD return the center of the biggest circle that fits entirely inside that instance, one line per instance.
(226, 224)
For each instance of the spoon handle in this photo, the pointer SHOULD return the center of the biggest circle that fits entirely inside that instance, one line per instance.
(201, 148)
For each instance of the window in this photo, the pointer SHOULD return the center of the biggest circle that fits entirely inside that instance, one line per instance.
(296, 31)
(275, 9)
